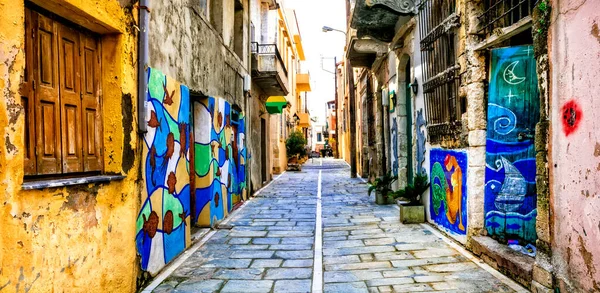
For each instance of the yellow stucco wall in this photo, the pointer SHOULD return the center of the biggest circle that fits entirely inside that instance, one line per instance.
(76, 239)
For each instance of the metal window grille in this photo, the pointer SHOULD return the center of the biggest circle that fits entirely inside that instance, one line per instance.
(438, 21)
(503, 13)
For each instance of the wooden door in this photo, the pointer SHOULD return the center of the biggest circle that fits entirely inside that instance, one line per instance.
(513, 111)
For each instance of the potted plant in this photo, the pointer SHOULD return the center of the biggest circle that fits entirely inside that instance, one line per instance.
(382, 187)
(294, 146)
(411, 208)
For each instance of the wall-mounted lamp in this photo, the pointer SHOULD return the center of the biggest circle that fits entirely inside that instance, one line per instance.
(414, 86)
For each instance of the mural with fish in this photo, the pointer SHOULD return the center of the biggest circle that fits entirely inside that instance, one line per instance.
(219, 159)
(164, 219)
(448, 202)
(513, 111)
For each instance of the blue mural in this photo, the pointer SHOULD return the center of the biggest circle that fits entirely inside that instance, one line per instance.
(164, 219)
(448, 202)
(219, 159)
(513, 110)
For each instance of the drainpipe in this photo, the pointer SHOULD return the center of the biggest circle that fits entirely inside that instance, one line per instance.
(144, 19)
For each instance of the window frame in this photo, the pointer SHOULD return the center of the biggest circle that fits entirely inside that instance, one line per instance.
(441, 71)
(76, 65)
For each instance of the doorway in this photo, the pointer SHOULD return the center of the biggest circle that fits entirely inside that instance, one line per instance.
(263, 149)
(513, 111)
(409, 136)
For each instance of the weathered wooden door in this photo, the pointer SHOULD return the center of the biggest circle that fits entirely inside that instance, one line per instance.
(513, 111)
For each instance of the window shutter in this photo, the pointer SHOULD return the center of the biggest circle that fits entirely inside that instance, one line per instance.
(47, 130)
(70, 98)
(91, 114)
(27, 95)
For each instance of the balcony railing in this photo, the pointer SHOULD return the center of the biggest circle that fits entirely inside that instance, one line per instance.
(266, 50)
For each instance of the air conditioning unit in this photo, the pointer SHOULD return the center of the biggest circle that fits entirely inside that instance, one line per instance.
(247, 83)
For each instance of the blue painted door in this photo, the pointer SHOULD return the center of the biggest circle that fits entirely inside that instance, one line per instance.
(513, 111)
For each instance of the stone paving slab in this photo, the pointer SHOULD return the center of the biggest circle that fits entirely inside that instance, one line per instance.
(270, 245)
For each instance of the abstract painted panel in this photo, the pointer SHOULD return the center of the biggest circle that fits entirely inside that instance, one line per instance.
(219, 159)
(163, 221)
(513, 110)
(448, 203)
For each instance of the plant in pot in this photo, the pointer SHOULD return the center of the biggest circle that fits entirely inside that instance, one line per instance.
(294, 146)
(382, 187)
(411, 208)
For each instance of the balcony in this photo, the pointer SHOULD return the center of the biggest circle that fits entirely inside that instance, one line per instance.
(268, 70)
(303, 82)
(303, 120)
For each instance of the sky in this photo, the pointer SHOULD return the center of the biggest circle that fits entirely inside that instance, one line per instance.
(312, 15)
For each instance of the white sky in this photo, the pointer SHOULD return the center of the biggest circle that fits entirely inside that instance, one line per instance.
(312, 16)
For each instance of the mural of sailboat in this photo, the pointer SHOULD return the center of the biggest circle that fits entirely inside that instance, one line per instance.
(514, 188)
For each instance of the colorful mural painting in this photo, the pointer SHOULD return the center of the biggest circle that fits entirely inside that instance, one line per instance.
(449, 190)
(219, 159)
(513, 110)
(164, 219)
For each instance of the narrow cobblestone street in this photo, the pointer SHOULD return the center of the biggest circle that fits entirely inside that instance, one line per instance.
(271, 245)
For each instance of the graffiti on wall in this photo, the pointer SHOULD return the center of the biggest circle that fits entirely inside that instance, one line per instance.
(571, 117)
(394, 154)
(449, 189)
(219, 159)
(421, 138)
(392, 100)
(513, 110)
(163, 221)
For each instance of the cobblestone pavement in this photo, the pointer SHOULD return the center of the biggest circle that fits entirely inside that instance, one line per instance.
(271, 246)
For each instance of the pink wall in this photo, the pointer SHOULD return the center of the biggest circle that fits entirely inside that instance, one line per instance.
(575, 143)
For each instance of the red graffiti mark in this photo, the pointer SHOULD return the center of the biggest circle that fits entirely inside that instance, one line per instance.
(571, 117)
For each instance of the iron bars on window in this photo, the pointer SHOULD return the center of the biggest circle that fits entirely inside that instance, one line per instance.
(438, 21)
(503, 13)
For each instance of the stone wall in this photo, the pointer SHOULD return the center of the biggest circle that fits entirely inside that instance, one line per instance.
(473, 90)
(185, 45)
